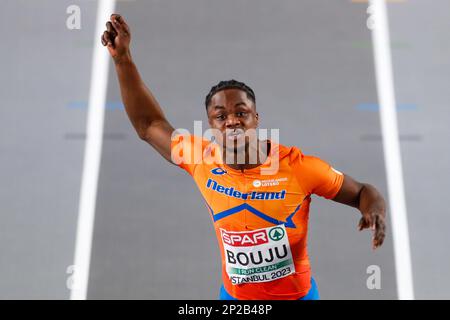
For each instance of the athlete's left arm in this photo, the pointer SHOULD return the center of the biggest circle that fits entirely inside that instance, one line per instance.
(367, 199)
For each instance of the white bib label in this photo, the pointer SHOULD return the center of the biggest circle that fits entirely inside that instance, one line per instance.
(257, 256)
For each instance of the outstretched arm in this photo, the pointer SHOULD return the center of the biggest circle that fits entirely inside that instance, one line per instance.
(143, 110)
(370, 202)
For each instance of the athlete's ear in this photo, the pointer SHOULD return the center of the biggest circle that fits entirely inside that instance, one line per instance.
(257, 119)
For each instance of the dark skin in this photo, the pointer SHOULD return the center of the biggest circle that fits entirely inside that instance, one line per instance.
(229, 109)
(232, 110)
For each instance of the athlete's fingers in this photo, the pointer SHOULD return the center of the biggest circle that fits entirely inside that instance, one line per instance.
(380, 231)
(119, 28)
(111, 30)
(120, 21)
(365, 222)
(115, 16)
(378, 234)
(117, 20)
(125, 25)
(120, 24)
(361, 224)
(104, 41)
(109, 26)
(107, 38)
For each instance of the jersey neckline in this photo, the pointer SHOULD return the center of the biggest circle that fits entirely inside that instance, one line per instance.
(275, 151)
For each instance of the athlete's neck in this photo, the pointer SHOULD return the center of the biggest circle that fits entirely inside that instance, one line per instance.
(261, 150)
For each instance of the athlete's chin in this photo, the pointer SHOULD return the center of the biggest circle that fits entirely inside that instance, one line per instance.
(235, 147)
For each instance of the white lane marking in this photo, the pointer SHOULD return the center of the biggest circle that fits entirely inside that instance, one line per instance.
(392, 153)
(92, 154)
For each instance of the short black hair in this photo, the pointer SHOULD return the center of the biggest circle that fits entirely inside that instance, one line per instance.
(230, 84)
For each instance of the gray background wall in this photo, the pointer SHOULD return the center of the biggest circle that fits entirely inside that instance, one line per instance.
(310, 63)
(45, 70)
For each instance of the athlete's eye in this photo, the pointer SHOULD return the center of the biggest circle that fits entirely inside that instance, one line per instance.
(220, 117)
(241, 114)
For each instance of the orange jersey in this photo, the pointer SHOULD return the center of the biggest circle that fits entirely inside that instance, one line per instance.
(261, 221)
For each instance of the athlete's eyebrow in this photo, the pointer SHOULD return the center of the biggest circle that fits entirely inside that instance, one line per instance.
(241, 103)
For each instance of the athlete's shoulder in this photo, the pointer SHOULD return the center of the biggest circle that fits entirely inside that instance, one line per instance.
(283, 150)
(315, 175)
(293, 153)
(296, 154)
(189, 151)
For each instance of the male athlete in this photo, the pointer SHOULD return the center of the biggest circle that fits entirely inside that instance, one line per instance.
(260, 215)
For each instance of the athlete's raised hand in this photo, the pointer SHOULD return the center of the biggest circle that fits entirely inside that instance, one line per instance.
(117, 37)
(144, 111)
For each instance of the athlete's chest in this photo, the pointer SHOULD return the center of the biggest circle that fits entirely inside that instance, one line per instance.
(250, 200)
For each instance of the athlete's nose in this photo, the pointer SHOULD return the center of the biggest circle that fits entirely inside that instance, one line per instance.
(232, 122)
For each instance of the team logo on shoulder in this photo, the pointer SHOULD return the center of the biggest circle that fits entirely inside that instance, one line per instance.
(218, 171)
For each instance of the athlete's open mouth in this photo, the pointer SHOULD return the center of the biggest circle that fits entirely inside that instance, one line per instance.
(235, 134)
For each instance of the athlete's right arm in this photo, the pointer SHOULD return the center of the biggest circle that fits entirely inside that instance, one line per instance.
(141, 106)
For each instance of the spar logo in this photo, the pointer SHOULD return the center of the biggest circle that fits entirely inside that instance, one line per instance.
(276, 234)
(246, 239)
